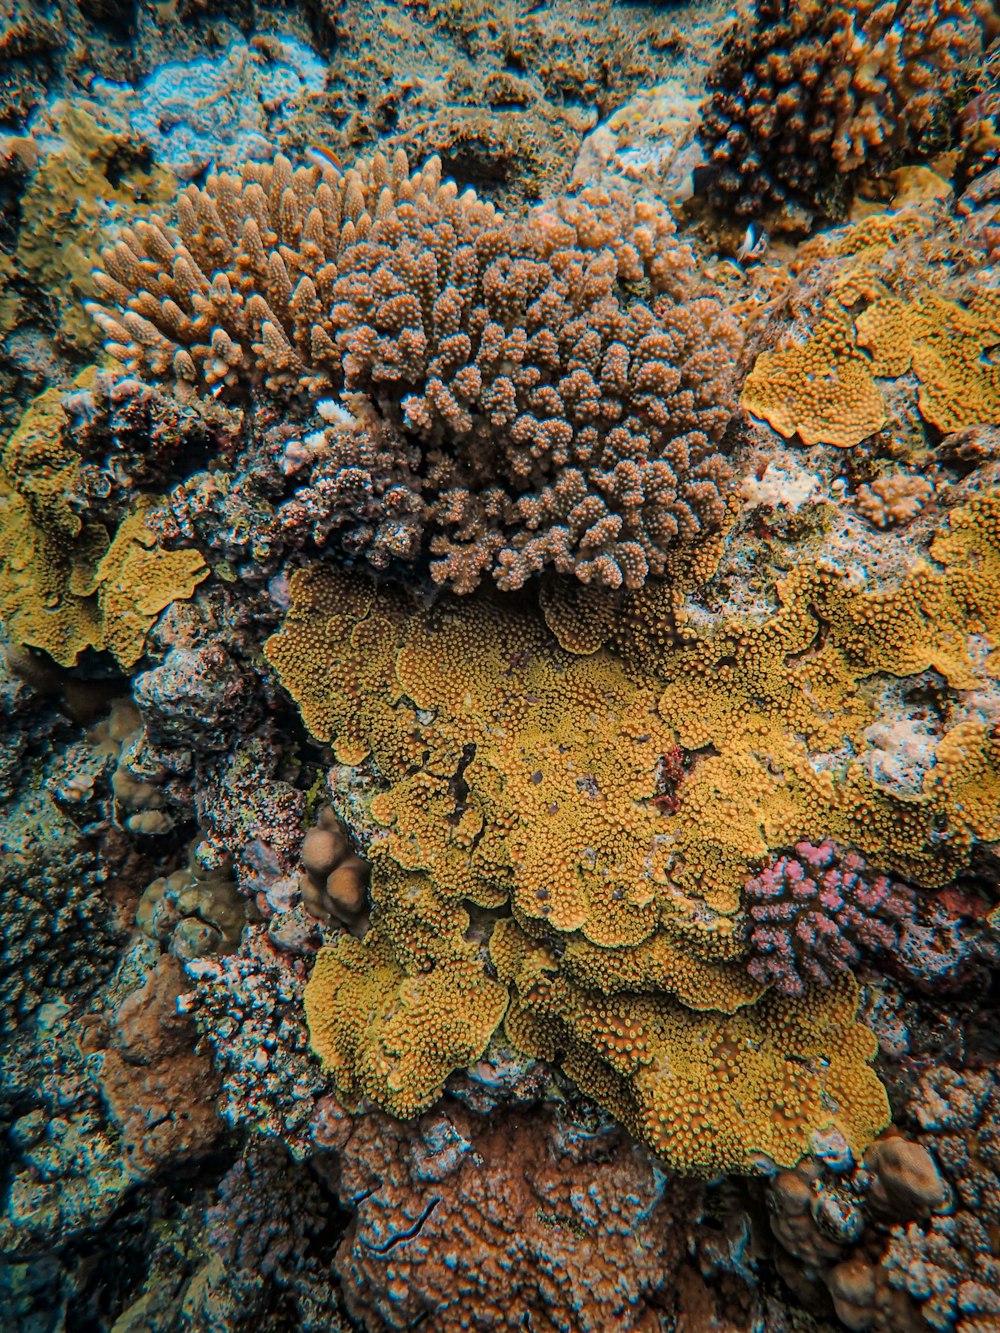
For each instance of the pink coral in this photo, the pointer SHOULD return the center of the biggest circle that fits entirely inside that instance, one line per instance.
(815, 912)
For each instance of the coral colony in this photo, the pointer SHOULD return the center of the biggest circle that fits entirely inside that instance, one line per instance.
(500, 667)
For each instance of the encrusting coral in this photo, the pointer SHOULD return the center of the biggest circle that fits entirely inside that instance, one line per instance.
(824, 389)
(444, 1203)
(65, 584)
(505, 407)
(807, 93)
(620, 947)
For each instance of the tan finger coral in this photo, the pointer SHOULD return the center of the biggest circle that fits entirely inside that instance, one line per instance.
(806, 93)
(506, 408)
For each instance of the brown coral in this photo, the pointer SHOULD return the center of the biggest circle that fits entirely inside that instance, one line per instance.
(157, 1088)
(509, 411)
(895, 499)
(506, 1223)
(806, 93)
(334, 880)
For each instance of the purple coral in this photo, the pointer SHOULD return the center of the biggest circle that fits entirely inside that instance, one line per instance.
(815, 912)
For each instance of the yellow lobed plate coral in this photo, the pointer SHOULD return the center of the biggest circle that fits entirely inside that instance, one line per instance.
(66, 586)
(528, 860)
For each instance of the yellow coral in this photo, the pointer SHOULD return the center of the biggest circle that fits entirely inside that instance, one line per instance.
(69, 198)
(66, 586)
(824, 389)
(821, 390)
(391, 1016)
(524, 778)
(137, 579)
(709, 1092)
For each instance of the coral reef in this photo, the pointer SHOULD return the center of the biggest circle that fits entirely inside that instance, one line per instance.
(442, 1205)
(613, 946)
(226, 109)
(804, 95)
(83, 169)
(814, 912)
(193, 910)
(248, 1007)
(67, 585)
(507, 411)
(504, 97)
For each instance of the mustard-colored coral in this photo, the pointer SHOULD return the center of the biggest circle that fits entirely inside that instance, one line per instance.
(821, 390)
(824, 390)
(66, 586)
(390, 1030)
(522, 778)
(659, 1067)
(87, 168)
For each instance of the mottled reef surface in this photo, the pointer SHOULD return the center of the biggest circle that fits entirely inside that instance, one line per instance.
(499, 666)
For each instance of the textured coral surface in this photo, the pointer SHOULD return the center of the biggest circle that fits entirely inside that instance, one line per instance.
(806, 91)
(499, 666)
(482, 727)
(507, 410)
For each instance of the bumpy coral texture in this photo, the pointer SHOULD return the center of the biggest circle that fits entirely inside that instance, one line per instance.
(950, 1268)
(509, 411)
(805, 92)
(622, 956)
(67, 585)
(824, 390)
(444, 1205)
(157, 1088)
(816, 912)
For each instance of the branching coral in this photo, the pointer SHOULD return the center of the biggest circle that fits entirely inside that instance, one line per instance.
(622, 948)
(805, 93)
(507, 409)
(814, 913)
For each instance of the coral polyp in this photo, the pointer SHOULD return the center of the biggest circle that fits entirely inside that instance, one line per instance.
(500, 666)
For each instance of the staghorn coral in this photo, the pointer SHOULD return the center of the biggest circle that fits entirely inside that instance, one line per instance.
(442, 1206)
(625, 945)
(506, 410)
(815, 912)
(806, 95)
